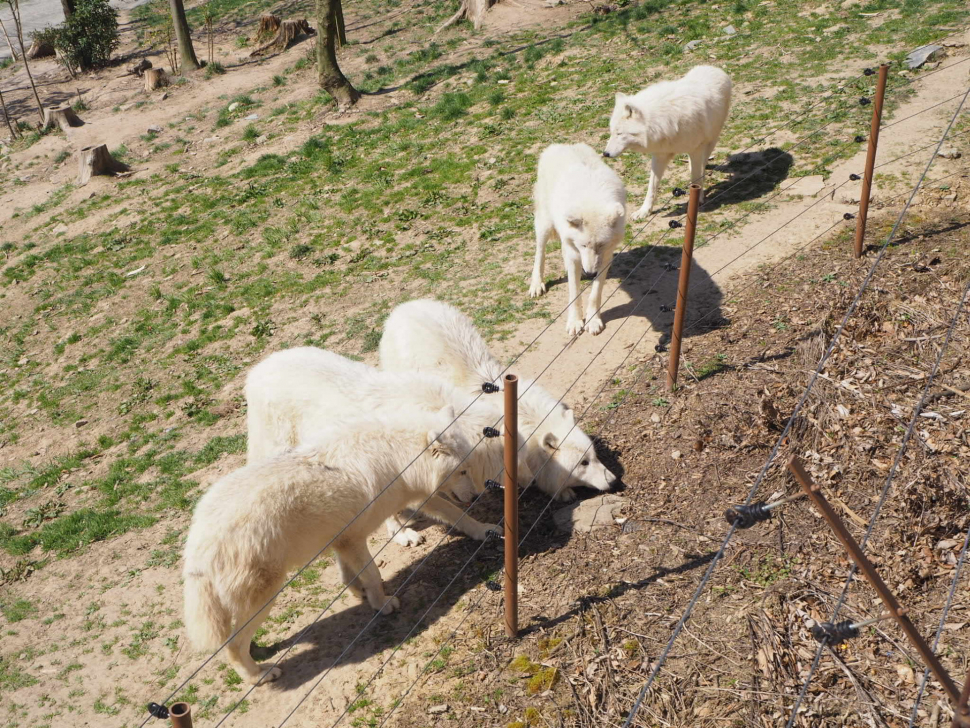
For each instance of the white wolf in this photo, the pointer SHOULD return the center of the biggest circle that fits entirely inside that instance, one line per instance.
(431, 336)
(670, 118)
(581, 201)
(265, 519)
(293, 394)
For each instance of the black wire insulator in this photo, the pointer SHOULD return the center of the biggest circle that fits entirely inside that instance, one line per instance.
(859, 139)
(492, 485)
(158, 711)
(664, 308)
(490, 432)
(489, 387)
(747, 516)
(673, 224)
(833, 634)
(854, 177)
(660, 348)
(669, 267)
(864, 101)
(868, 72)
(679, 192)
(848, 216)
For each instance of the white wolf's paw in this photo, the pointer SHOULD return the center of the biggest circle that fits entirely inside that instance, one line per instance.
(390, 605)
(266, 675)
(641, 213)
(537, 288)
(595, 325)
(574, 326)
(408, 537)
(566, 495)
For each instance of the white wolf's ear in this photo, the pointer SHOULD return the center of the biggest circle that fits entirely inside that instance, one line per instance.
(620, 96)
(550, 441)
(576, 222)
(631, 112)
(617, 212)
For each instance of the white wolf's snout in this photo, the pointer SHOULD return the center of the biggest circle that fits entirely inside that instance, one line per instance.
(463, 490)
(591, 261)
(614, 148)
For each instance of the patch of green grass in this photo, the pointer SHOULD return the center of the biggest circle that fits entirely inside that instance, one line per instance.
(12, 677)
(18, 610)
(76, 530)
(452, 106)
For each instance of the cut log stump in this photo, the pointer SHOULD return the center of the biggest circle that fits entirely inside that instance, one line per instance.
(97, 160)
(62, 117)
(268, 25)
(471, 10)
(287, 34)
(40, 49)
(155, 78)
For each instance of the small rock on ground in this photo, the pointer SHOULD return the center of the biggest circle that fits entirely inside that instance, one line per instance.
(730, 30)
(438, 709)
(588, 515)
(949, 153)
(922, 55)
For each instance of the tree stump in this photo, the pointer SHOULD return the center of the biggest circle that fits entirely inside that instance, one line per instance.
(39, 49)
(61, 116)
(97, 160)
(287, 34)
(473, 10)
(155, 78)
(268, 25)
(139, 68)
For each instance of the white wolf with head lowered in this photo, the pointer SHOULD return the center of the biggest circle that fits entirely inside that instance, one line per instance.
(671, 118)
(431, 336)
(582, 202)
(267, 518)
(295, 393)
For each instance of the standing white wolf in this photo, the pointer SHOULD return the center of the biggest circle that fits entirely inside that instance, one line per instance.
(267, 518)
(431, 336)
(293, 394)
(670, 118)
(581, 201)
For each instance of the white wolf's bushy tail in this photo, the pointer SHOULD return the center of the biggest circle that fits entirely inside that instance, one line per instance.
(207, 620)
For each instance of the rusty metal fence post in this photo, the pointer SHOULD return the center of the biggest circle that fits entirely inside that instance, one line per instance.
(181, 715)
(860, 226)
(872, 576)
(511, 484)
(686, 257)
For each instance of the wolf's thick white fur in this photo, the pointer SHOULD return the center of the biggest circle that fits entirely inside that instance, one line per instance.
(293, 394)
(671, 118)
(267, 518)
(582, 202)
(431, 336)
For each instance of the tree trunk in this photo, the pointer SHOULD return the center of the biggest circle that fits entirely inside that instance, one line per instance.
(6, 117)
(338, 14)
(13, 52)
(15, 14)
(69, 7)
(332, 79)
(61, 116)
(184, 37)
(288, 32)
(97, 160)
(155, 78)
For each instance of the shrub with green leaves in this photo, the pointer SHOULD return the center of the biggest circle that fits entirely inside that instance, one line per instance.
(86, 39)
